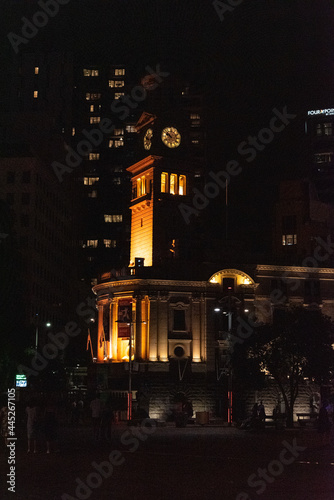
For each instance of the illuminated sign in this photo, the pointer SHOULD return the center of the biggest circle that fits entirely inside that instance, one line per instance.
(326, 112)
(21, 380)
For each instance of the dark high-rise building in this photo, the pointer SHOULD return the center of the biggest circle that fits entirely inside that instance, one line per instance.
(319, 128)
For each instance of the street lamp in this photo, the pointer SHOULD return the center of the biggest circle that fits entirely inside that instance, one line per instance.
(229, 302)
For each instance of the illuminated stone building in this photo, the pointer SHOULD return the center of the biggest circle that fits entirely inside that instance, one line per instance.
(172, 313)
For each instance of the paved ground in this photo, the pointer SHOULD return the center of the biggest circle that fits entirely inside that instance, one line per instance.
(198, 463)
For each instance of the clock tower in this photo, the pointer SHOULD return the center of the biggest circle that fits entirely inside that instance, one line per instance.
(161, 182)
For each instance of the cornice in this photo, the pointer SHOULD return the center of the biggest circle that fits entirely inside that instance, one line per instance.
(152, 283)
(296, 269)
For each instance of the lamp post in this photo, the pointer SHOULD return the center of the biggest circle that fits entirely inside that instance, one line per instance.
(130, 375)
(229, 302)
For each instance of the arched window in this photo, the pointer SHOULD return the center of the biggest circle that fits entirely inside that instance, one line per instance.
(182, 185)
(173, 184)
(164, 182)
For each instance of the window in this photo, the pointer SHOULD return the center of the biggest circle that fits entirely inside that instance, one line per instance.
(119, 131)
(182, 185)
(94, 119)
(116, 83)
(289, 239)
(195, 120)
(36, 70)
(173, 184)
(91, 72)
(25, 198)
(119, 72)
(116, 143)
(91, 243)
(91, 108)
(113, 218)
(10, 177)
(228, 285)
(26, 176)
(93, 97)
(179, 323)
(141, 186)
(73, 131)
(324, 157)
(94, 156)
(324, 128)
(35, 94)
(118, 95)
(92, 194)
(164, 182)
(110, 243)
(130, 128)
(90, 181)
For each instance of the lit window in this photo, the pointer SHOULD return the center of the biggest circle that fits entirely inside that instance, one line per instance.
(92, 97)
(118, 95)
(324, 128)
(35, 94)
(195, 120)
(119, 131)
(91, 108)
(116, 83)
(90, 181)
(91, 243)
(130, 128)
(141, 186)
(92, 194)
(173, 184)
(119, 72)
(323, 157)
(93, 281)
(91, 72)
(116, 143)
(36, 70)
(164, 182)
(94, 156)
(110, 243)
(94, 119)
(182, 185)
(73, 131)
(289, 239)
(113, 218)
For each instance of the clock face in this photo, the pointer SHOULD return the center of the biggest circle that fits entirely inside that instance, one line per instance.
(148, 138)
(171, 137)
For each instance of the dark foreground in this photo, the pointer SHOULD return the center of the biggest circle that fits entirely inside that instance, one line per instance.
(175, 463)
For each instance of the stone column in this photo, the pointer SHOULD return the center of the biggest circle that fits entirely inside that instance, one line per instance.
(100, 346)
(196, 329)
(114, 331)
(203, 328)
(138, 328)
(153, 329)
(163, 328)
